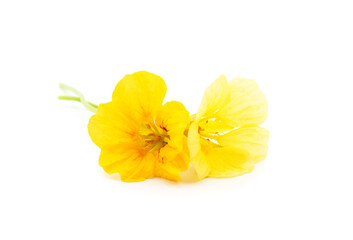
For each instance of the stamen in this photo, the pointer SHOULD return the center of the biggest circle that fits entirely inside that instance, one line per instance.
(158, 146)
(156, 129)
(154, 138)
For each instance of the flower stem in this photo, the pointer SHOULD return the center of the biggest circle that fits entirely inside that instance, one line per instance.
(77, 99)
(89, 106)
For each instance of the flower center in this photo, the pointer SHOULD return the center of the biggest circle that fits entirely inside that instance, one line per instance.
(211, 137)
(153, 137)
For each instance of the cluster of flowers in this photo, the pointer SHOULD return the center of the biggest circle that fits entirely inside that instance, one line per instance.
(141, 138)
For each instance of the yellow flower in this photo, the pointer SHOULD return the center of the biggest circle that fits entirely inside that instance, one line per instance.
(139, 138)
(224, 139)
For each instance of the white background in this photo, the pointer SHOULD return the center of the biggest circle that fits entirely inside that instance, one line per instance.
(301, 54)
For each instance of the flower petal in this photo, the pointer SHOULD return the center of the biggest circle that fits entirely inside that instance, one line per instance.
(170, 168)
(173, 117)
(216, 96)
(248, 105)
(213, 160)
(110, 125)
(197, 157)
(171, 161)
(215, 126)
(228, 162)
(251, 138)
(141, 94)
(132, 165)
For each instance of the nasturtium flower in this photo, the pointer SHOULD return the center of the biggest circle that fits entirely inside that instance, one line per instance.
(138, 136)
(224, 138)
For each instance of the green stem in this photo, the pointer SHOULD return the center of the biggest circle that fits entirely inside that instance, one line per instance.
(89, 106)
(77, 99)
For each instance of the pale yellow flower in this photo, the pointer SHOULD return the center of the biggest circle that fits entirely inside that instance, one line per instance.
(224, 139)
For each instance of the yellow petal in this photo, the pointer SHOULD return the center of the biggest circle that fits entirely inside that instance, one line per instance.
(212, 160)
(132, 165)
(111, 125)
(248, 105)
(173, 118)
(171, 162)
(170, 168)
(216, 96)
(141, 94)
(251, 138)
(136, 99)
(197, 156)
(215, 126)
(228, 162)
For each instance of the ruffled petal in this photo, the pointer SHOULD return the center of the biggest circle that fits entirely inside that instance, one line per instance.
(173, 118)
(228, 162)
(197, 156)
(141, 94)
(111, 125)
(248, 105)
(216, 96)
(251, 138)
(170, 169)
(132, 165)
(173, 158)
